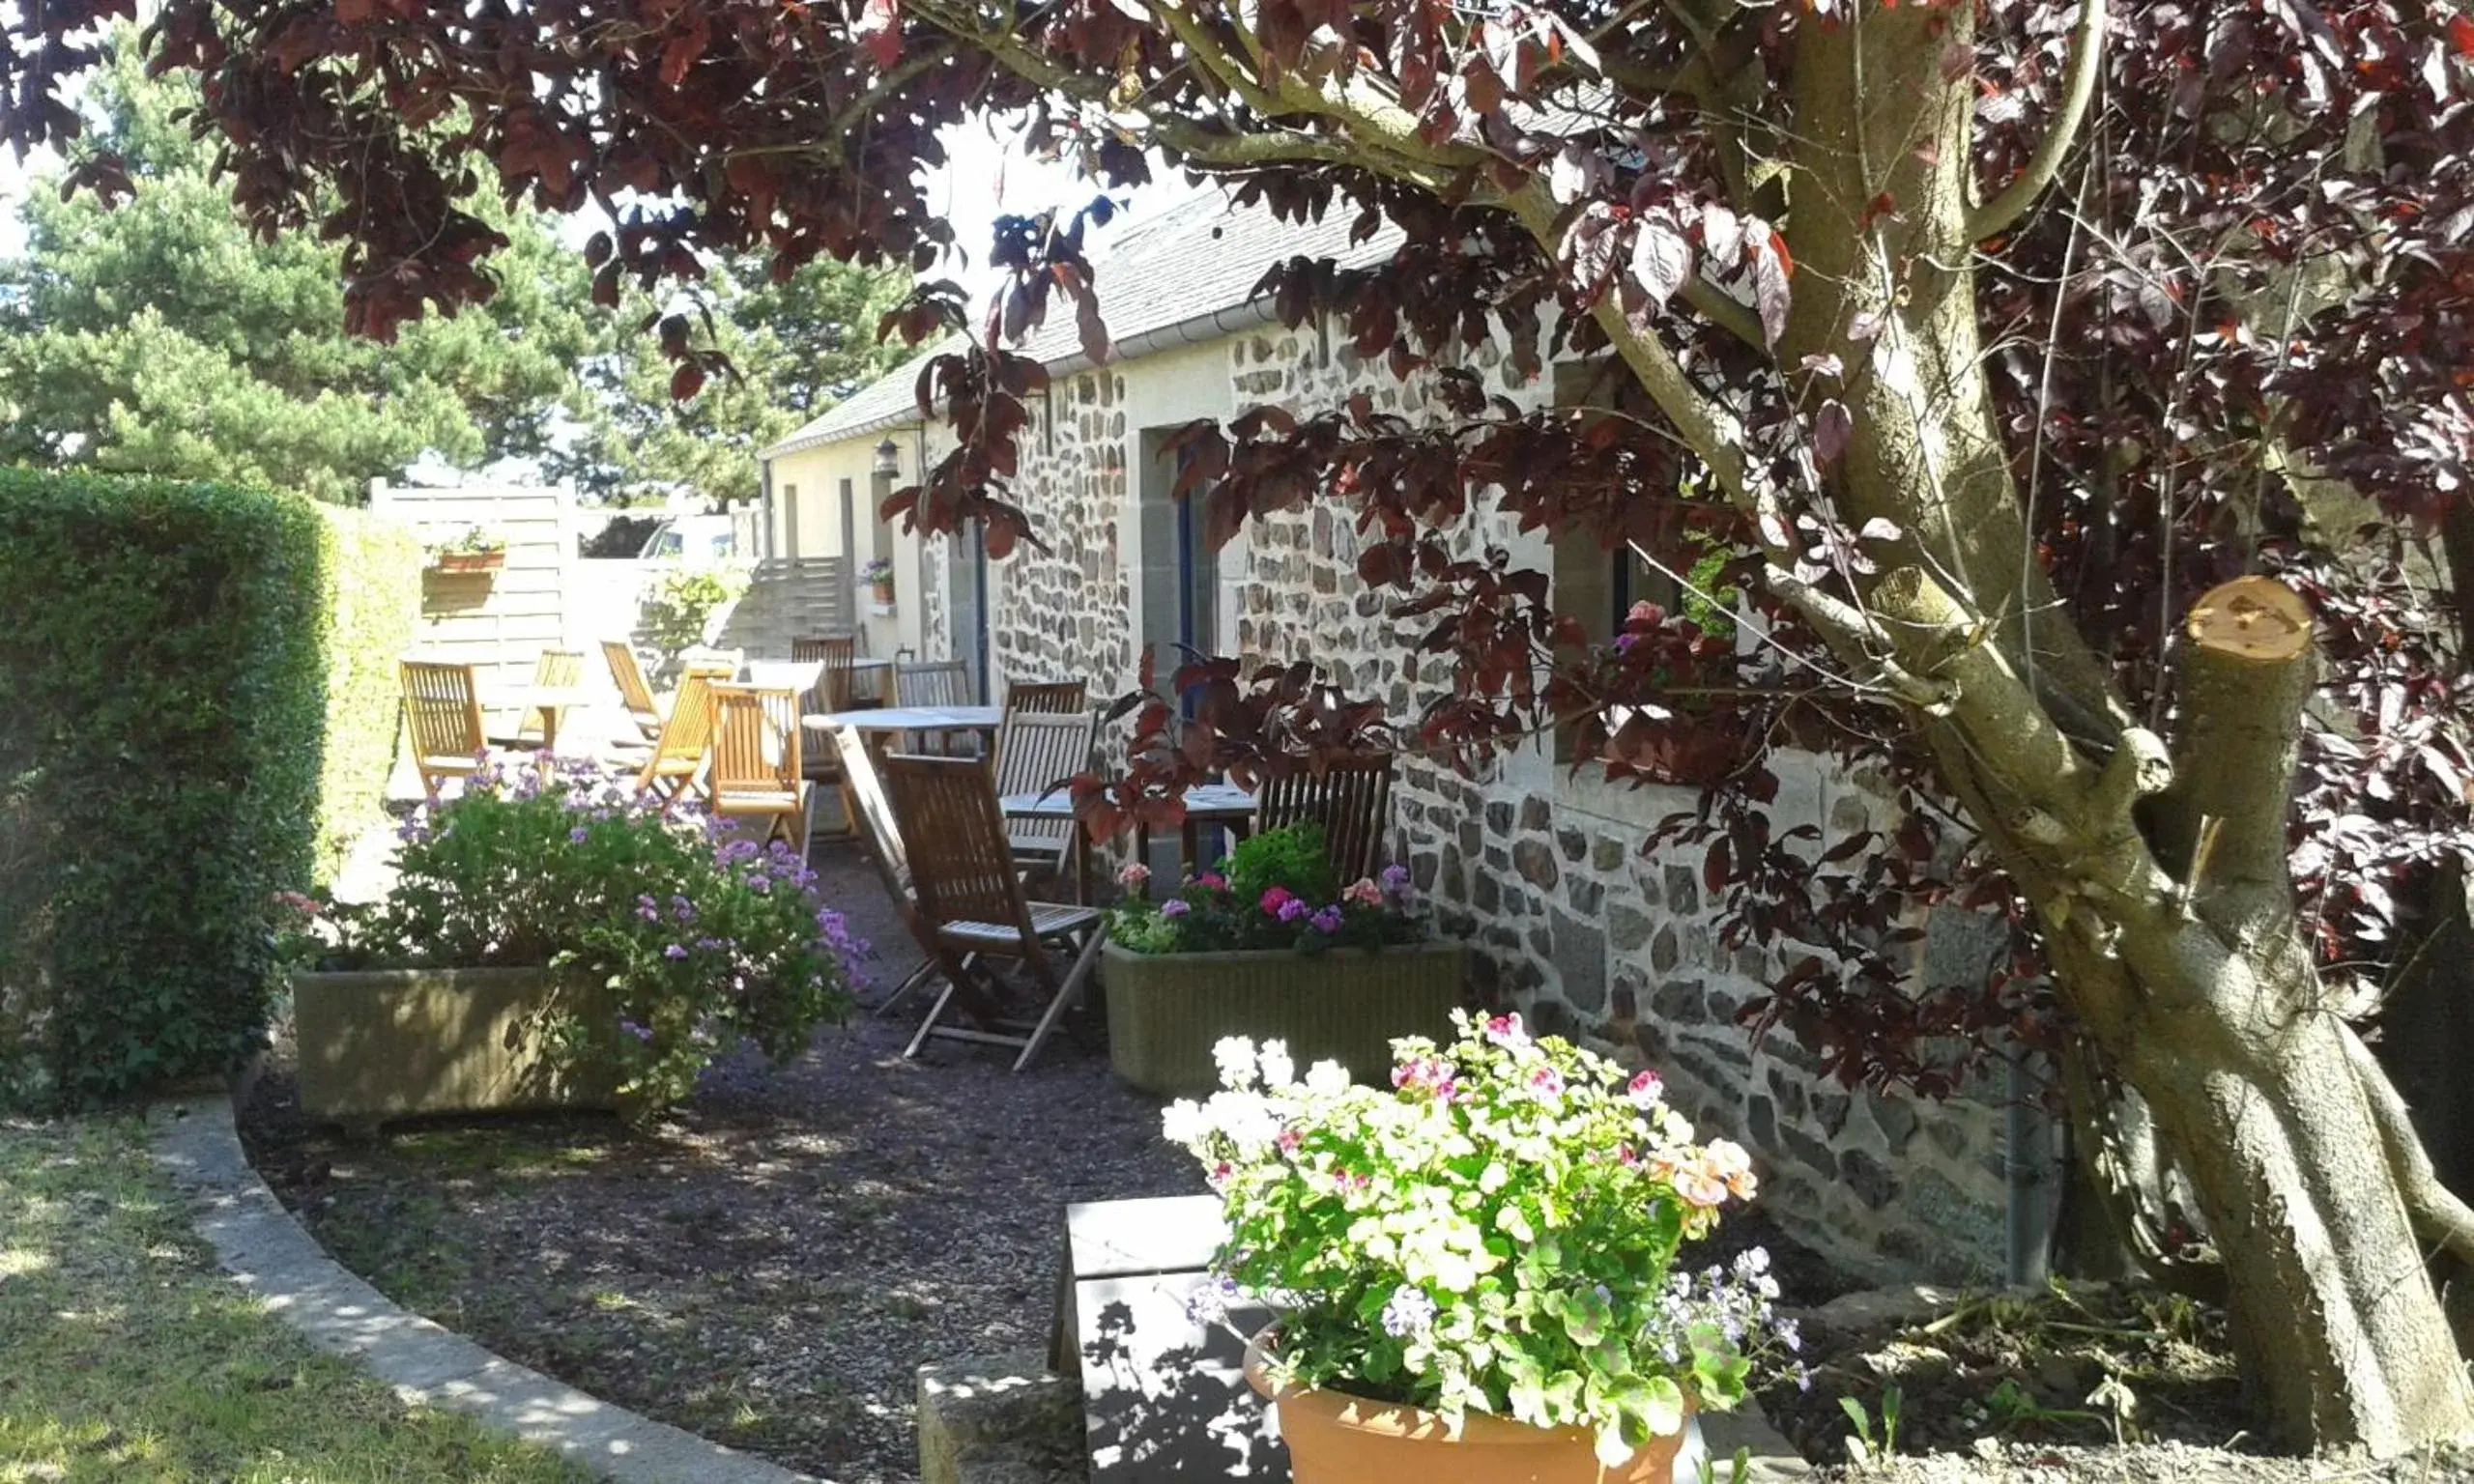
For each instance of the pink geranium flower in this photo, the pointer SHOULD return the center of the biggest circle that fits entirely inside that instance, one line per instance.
(1276, 898)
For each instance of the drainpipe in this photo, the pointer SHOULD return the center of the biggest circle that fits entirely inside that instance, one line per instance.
(2029, 1174)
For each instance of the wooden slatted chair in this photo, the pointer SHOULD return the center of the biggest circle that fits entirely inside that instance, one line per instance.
(1035, 752)
(871, 816)
(443, 710)
(833, 653)
(1351, 799)
(962, 868)
(934, 683)
(755, 772)
(633, 692)
(678, 758)
(1050, 696)
(551, 669)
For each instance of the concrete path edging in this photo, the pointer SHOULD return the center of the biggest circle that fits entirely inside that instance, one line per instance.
(259, 1243)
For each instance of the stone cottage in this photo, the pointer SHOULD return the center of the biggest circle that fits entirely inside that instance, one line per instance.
(1537, 865)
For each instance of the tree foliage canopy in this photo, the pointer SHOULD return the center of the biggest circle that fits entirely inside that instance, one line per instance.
(163, 337)
(1989, 337)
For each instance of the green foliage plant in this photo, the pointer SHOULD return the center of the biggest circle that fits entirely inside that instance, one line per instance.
(1275, 891)
(681, 605)
(702, 938)
(160, 766)
(371, 609)
(1497, 1232)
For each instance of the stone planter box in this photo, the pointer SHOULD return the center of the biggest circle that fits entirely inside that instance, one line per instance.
(1166, 1010)
(388, 1043)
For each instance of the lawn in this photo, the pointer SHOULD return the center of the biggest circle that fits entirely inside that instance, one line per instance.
(129, 1358)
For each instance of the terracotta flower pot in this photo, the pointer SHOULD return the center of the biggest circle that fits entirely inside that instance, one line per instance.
(471, 562)
(1334, 1439)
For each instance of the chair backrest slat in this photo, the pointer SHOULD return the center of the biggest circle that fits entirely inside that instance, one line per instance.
(629, 676)
(961, 867)
(756, 740)
(932, 683)
(835, 653)
(689, 730)
(443, 707)
(875, 811)
(1035, 750)
(557, 669)
(1351, 799)
(1048, 696)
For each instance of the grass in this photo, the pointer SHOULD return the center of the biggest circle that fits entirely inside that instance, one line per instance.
(129, 1358)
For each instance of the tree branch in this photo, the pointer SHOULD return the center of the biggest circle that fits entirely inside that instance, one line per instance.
(1724, 310)
(2246, 675)
(1853, 632)
(2078, 88)
(2436, 1210)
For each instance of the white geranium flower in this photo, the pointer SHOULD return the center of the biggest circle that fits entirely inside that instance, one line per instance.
(1278, 1070)
(1184, 1122)
(1326, 1078)
(1235, 1055)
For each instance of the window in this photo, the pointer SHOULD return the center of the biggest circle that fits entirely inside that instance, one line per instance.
(1593, 584)
(790, 522)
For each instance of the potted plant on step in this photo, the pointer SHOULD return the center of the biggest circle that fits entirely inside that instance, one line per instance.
(1269, 947)
(877, 574)
(1474, 1272)
(554, 941)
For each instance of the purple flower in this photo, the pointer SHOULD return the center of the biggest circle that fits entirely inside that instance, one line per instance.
(1410, 1313)
(648, 910)
(1293, 908)
(576, 836)
(674, 950)
(1174, 906)
(642, 1033)
(1327, 920)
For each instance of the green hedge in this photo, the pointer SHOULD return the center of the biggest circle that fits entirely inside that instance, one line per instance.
(159, 747)
(372, 595)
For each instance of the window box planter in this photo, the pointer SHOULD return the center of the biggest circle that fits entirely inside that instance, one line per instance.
(1168, 1010)
(388, 1044)
(459, 563)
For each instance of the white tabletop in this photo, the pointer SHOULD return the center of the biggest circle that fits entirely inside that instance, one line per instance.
(910, 719)
(1204, 800)
(527, 697)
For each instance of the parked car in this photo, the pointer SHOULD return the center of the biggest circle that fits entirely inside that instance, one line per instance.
(693, 538)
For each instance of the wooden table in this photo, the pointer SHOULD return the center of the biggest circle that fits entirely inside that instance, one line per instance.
(1221, 804)
(553, 701)
(878, 723)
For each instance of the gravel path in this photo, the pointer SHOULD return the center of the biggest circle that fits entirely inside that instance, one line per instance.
(770, 1264)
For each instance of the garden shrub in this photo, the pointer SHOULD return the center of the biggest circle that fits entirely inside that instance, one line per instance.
(158, 773)
(703, 939)
(372, 597)
(679, 607)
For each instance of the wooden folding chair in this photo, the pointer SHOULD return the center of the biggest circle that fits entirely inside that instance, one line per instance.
(1351, 799)
(755, 770)
(443, 710)
(552, 670)
(679, 754)
(833, 654)
(871, 816)
(633, 692)
(1036, 751)
(962, 868)
(933, 683)
(1048, 696)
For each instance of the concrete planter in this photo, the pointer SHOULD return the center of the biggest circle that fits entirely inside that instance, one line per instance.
(1166, 1010)
(388, 1044)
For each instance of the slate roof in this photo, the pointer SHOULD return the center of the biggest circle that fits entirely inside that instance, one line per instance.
(1195, 259)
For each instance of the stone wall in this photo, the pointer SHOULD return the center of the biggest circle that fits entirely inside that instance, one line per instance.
(1538, 866)
(1067, 613)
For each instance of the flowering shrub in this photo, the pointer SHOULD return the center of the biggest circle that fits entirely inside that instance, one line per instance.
(1496, 1233)
(703, 939)
(1275, 891)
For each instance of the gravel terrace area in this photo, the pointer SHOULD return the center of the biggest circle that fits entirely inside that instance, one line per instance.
(769, 1263)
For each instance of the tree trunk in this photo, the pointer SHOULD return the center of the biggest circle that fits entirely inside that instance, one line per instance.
(2255, 1081)
(2195, 988)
